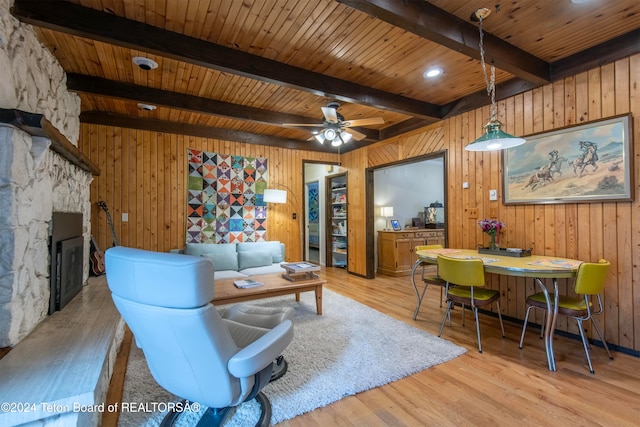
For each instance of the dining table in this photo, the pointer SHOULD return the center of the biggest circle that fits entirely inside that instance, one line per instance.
(537, 267)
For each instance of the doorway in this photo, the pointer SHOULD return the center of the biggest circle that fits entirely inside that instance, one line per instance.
(312, 196)
(407, 187)
(315, 210)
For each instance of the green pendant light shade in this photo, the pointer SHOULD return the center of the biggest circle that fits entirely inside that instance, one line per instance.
(494, 138)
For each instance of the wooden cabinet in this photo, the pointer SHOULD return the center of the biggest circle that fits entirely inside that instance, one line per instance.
(336, 186)
(396, 249)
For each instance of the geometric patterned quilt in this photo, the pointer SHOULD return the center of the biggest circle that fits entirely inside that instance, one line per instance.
(225, 198)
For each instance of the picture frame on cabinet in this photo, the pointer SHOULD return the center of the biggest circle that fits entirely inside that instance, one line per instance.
(395, 224)
(584, 163)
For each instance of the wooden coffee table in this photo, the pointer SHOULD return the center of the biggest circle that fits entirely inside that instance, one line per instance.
(274, 285)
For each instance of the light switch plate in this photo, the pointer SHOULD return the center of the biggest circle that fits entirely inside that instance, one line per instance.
(125, 217)
(493, 194)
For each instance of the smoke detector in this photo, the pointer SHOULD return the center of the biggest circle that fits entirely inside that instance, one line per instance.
(146, 107)
(145, 63)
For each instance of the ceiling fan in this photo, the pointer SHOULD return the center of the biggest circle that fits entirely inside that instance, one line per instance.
(335, 126)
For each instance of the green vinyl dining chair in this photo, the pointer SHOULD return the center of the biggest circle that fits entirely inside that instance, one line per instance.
(590, 281)
(428, 278)
(468, 276)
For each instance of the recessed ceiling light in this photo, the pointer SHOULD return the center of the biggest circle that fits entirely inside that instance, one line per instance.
(145, 63)
(146, 107)
(433, 72)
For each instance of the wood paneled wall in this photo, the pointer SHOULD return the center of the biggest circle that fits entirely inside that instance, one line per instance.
(586, 231)
(144, 175)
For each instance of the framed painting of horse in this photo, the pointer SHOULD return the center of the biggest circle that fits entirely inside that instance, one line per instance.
(584, 163)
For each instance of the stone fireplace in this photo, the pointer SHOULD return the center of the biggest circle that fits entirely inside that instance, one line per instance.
(35, 180)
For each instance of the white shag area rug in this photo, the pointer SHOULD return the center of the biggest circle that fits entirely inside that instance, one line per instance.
(349, 349)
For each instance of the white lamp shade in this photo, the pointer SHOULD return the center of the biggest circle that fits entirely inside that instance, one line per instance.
(275, 196)
(386, 211)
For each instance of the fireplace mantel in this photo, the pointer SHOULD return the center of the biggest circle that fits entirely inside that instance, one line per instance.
(37, 125)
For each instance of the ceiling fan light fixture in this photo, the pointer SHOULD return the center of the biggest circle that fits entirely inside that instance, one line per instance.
(346, 136)
(330, 134)
(320, 137)
(336, 142)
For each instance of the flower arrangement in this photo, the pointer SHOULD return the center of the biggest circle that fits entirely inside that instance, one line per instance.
(492, 227)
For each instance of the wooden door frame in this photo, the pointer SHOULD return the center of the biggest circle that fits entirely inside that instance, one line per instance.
(370, 208)
(305, 247)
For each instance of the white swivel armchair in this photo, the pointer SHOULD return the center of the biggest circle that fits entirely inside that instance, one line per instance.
(191, 350)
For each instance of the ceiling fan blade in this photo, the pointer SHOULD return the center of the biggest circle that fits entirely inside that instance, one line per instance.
(303, 124)
(330, 114)
(356, 135)
(364, 122)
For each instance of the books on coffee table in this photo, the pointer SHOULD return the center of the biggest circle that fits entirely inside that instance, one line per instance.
(247, 283)
(300, 267)
(299, 271)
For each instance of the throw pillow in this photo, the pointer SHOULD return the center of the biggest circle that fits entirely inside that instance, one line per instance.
(254, 259)
(274, 246)
(223, 256)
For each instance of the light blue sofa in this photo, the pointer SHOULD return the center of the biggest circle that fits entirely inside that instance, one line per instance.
(238, 260)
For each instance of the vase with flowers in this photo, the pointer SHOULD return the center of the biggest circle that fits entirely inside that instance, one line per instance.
(492, 227)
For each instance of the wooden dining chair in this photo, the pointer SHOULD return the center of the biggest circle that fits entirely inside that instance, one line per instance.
(468, 276)
(590, 281)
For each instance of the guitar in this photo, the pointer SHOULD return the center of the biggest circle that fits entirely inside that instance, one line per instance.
(103, 205)
(96, 259)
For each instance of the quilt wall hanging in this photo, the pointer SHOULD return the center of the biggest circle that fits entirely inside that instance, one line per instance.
(225, 198)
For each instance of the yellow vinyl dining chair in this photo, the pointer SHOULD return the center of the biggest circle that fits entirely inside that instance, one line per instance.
(589, 282)
(429, 278)
(468, 276)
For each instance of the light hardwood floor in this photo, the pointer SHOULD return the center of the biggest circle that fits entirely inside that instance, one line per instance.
(503, 386)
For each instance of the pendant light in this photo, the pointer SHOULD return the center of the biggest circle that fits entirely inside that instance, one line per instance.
(494, 137)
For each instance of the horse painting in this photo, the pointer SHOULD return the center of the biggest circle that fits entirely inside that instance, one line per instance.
(539, 177)
(589, 158)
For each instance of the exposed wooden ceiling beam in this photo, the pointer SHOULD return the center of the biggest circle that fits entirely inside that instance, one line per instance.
(404, 127)
(605, 53)
(597, 56)
(85, 22)
(432, 23)
(481, 98)
(112, 89)
(119, 120)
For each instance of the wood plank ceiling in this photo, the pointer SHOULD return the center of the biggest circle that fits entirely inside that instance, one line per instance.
(238, 70)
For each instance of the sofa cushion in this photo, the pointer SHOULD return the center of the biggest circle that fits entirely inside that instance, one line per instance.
(275, 247)
(223, 255)
(229, 274)
(256, 258)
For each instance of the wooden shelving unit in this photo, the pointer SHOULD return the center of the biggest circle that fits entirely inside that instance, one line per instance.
(337, 217)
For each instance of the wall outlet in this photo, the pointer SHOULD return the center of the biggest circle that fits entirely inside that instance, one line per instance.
(473, 212)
